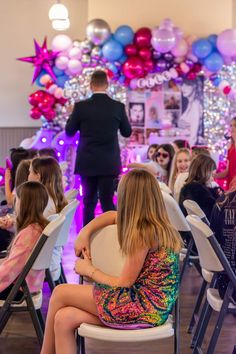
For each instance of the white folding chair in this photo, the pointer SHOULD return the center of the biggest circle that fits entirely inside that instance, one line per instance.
(71, 194)
(214, 260)
(178, 220)
(39, 260)
(193, 208)
(106, 255)
(59, 276)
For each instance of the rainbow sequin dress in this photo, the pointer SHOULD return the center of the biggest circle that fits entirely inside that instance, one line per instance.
(149, 301)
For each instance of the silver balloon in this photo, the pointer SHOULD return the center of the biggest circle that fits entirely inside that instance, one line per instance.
(96, 53)
(86, 46)
(98, 31)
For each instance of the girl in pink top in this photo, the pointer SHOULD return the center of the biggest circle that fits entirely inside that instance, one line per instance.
(31, 200)
(230, 171)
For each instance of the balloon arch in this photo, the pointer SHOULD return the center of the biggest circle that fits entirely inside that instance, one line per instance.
(133, 60)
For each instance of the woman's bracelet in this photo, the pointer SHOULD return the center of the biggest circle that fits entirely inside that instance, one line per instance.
(92, 273)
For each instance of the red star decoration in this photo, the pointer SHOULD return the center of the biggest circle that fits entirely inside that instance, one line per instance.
(43, 60)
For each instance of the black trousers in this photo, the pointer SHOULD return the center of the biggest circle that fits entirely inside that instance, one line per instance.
(94, 186)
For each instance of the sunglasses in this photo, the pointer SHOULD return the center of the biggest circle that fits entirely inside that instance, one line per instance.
(163, 154)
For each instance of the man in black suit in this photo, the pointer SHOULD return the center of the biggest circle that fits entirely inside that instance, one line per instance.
(98, 162)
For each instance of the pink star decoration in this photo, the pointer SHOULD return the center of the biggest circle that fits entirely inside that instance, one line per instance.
(43, 60)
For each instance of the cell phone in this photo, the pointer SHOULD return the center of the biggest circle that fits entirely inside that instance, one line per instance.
(8, 163)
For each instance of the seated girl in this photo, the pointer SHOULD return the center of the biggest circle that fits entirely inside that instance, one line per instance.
(47, 171)
(145, 292)
(181, 163)
(31, 200)
(161, 164)
(199, 186)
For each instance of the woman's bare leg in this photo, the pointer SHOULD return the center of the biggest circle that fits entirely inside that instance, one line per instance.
(67, 320)
(78, 296)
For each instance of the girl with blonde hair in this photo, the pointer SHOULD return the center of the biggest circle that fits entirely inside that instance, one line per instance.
(145, 292)
(180, 164)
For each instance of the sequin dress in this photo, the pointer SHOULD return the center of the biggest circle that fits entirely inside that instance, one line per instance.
(149, 301)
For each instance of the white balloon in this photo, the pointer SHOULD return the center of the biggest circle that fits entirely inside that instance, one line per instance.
(61, 62)
(74, 66)
(61, 42)
(75, 53)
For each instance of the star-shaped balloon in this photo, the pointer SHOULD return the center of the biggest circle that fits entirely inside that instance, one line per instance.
(43, 60)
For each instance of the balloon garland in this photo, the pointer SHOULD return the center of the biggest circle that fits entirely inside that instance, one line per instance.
(142, 59)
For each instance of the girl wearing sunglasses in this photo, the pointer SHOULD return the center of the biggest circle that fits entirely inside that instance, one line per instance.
(161, 164)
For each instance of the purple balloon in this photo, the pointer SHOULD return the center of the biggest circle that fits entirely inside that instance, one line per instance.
(163, 40)
(168, 56)
(179, 80)
(161, 65)
(189, 62)
(156, 55)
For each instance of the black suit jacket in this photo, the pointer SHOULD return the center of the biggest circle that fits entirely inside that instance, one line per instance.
(98, 120)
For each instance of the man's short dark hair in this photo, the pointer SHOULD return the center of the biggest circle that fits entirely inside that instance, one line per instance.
(99, 78)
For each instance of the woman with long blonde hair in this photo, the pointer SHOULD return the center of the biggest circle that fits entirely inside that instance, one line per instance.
(144, 294)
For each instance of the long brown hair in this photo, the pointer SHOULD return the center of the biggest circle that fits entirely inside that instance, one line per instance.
(33, 200)
(200, 169)
(51, 177)
(142, 220)
(22, 172)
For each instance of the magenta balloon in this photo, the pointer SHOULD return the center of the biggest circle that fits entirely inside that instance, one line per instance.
(131, 50)
(143, 37)
(50, 115)
(163, 40)
(226, 42)
(35, 113)
(149, 66)
(133, 68)
(36, 97)
(145, 53)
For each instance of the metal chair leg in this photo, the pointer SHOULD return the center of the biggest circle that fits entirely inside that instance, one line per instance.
(5, 314)
(63, 276)
(186, 259)
(49, 280)
(41, 319)
(197, 306)
(82, 342)
(177, 328)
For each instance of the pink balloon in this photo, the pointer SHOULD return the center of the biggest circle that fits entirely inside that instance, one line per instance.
(145, 53)
(133, 68)
(58, 93)
(180, 49)
(133, 84)
(178, 32)
(61, 62)
(74, 66)
(50, 115)
(45, 79)
(163, 40)
(143, 37)
(149, 66)
(35, 113)
(61, 42)
(52, 89)
(131, 50)
(36, 97)
(226, 42)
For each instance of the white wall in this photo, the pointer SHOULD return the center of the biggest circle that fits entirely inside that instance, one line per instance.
(199, 17)
(20, 22)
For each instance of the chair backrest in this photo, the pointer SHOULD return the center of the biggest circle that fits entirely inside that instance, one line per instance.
(68, 211)
(105, 251)
(175, 214)
(201, 234)
(71, 194)
(52, 231)
(164, 187)
(193, 208)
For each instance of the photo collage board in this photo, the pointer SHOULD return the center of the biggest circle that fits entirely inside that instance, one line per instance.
(166, 113)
